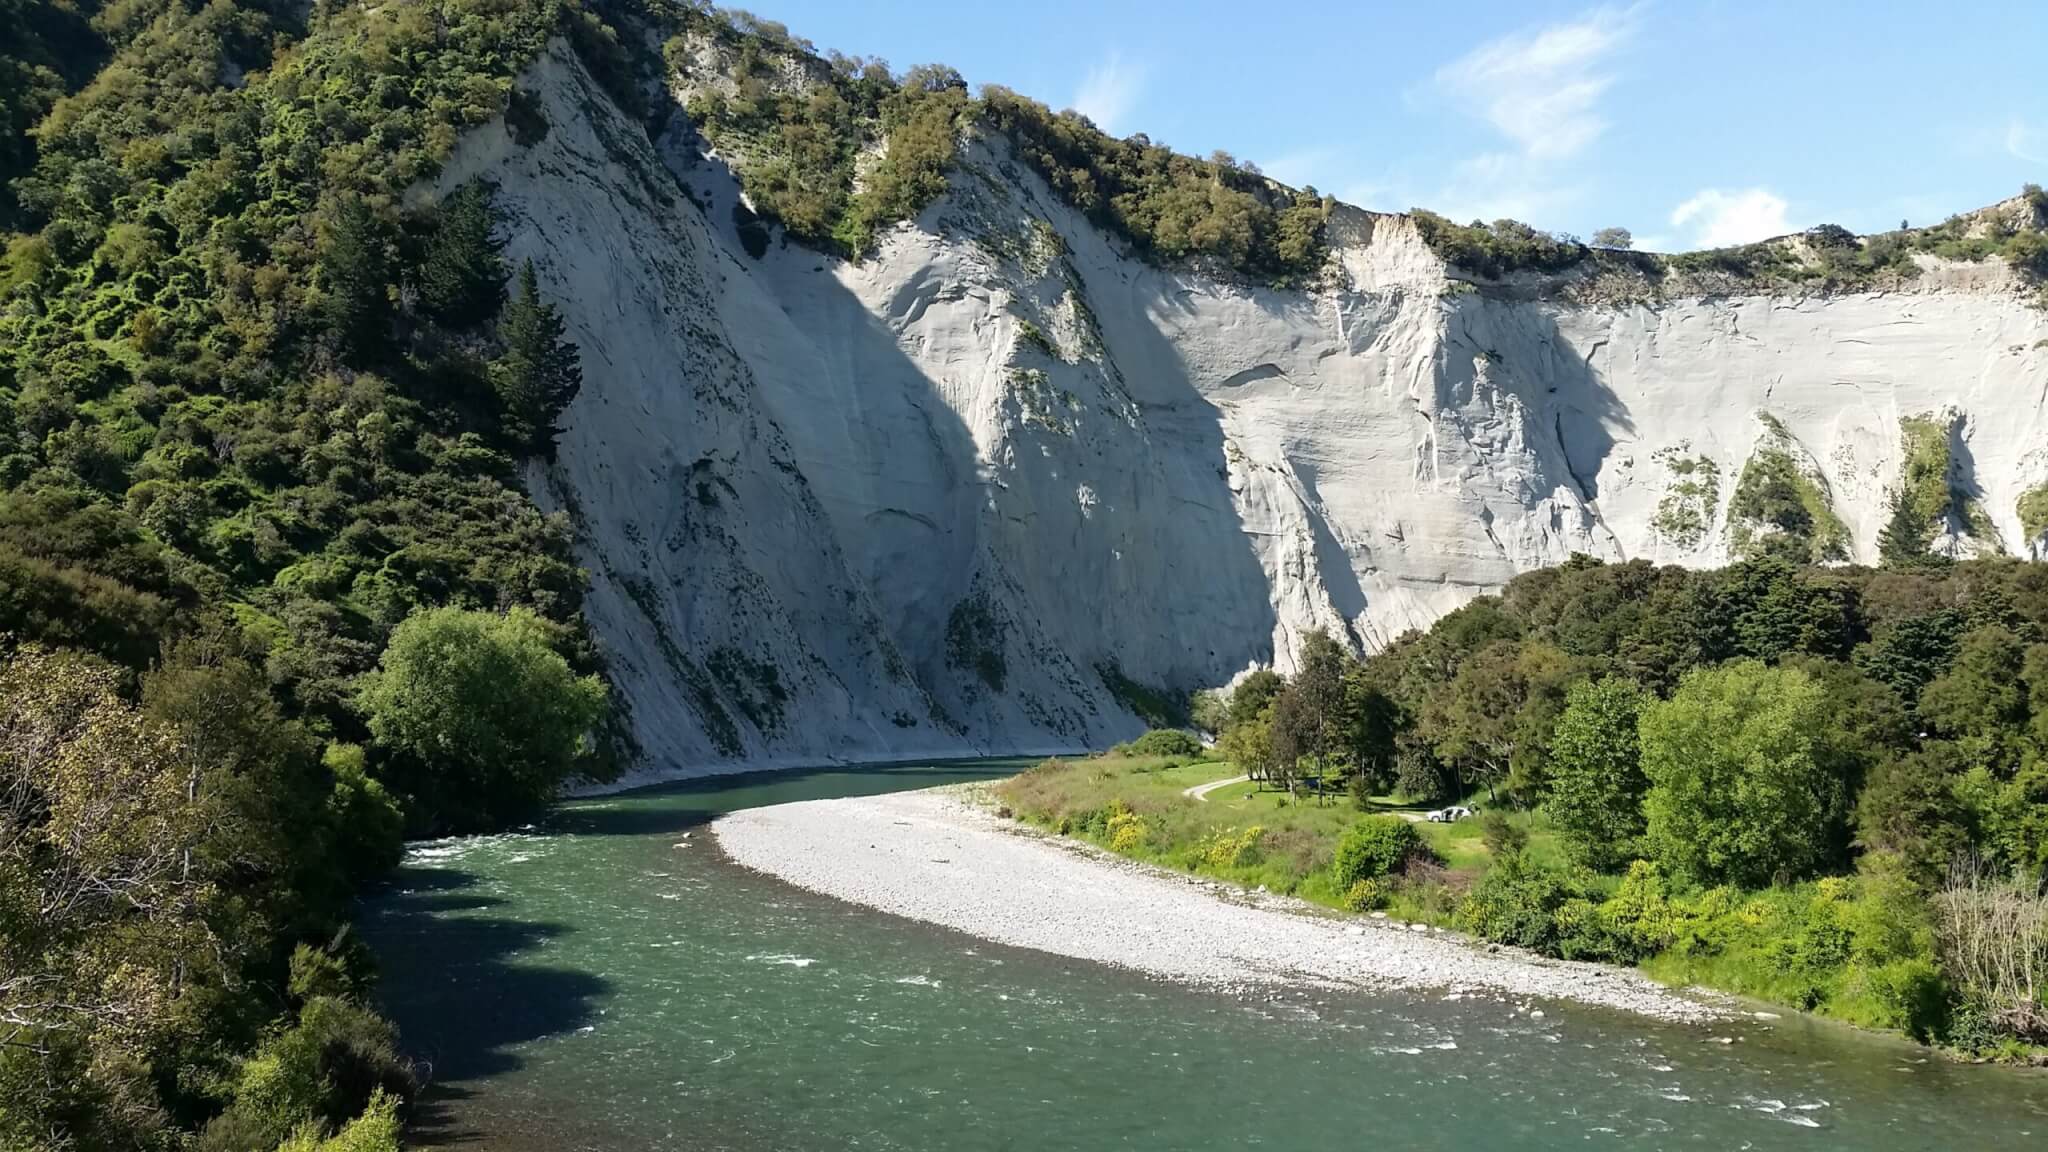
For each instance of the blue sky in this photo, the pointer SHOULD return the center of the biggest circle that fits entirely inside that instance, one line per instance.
(1691, 122)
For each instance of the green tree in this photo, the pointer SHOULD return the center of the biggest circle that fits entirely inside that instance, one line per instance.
(1494, 716)
(1249, 745)
(356, 279)
(1307, 714)
(540, 371)
(1252, 695)
(1319, 688)
(2035, 673)
(1745, 784)
(109, 906)
(1372, 723)
(1903, 539)
(1981, 701)
(1910, 810)
(1911, 651)
(1596, 776)
(482, 718)
(1768, 609)
(462, 279)
(1292, 731)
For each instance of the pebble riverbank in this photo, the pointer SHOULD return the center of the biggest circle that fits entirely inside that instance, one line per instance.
(940, 857)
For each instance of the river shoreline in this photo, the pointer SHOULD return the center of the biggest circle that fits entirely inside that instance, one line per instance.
(941, 857)
(770, 766)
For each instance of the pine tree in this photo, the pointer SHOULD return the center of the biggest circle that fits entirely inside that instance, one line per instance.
(539, 373)
(356, 276)
(1906, 537)
(462, 282)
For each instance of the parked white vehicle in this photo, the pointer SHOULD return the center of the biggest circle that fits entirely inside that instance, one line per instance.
(1450, 815)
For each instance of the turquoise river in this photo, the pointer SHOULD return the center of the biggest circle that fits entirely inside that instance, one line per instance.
(607, 981)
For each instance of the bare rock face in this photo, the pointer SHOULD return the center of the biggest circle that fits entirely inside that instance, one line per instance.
(977, 492)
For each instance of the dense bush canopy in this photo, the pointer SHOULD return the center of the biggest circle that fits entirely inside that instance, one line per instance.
(261, 402)
(1596, 777)
(483, 716)
(1745, 781)
(1788, 781)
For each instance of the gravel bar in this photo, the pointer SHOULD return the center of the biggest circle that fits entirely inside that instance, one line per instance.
(940, 857)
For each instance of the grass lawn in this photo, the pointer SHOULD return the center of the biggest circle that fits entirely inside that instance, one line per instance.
(1292, 851)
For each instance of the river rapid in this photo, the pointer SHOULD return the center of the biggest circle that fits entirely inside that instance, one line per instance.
(608, 981)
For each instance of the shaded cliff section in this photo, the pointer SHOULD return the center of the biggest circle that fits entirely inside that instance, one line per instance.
(803, 544)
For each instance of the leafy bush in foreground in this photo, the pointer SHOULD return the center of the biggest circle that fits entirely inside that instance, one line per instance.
(1374, 847)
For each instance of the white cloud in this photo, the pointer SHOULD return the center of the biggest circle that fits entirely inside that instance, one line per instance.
(2026, 142)
(1717, 219)
(1109, 92)
(1541, 89)
(1536, 95)
(1304, 167)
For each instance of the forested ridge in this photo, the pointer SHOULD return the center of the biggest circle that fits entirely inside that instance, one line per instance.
(834, 148)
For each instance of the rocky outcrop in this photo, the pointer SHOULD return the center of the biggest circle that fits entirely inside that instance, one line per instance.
(960, 496)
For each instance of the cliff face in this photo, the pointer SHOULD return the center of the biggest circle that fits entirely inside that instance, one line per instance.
(959, 497)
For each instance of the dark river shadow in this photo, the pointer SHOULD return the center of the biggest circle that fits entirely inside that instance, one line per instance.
(466, 1004)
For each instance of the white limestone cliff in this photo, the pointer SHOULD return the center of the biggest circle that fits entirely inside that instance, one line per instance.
(936, 502)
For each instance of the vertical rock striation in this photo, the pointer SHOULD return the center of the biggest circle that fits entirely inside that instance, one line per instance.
(956, 498)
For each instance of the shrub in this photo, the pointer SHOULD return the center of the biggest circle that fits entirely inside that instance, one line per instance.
(315, 972)
(1224, 849)
(1780, 510)
(376, 1130)
(330, 1066)
(1994, 945)
(2033, 512)
(1169, 206)
(1637, 921)
(975, 638)
(1496, 249)
(1157, 707)
(1374, 847)
(1501, 835)
(1366, 895)
(1162, 742)
(1125, 828)
(368, 823)
(1518, 903)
